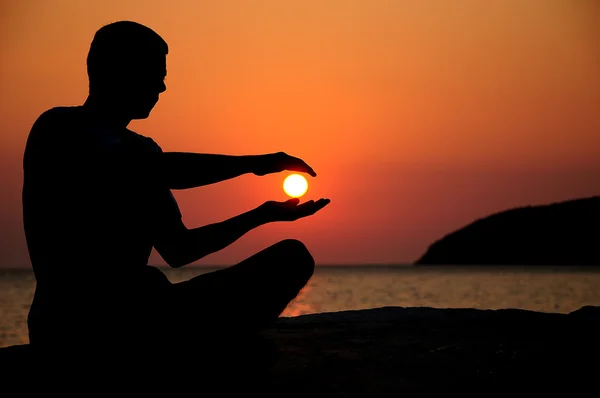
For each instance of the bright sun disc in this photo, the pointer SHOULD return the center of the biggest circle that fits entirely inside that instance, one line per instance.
(295, 185)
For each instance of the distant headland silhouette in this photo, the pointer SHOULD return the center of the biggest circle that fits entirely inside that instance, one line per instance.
(557, 234)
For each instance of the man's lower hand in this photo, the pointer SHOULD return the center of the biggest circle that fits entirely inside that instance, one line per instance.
(290, 210)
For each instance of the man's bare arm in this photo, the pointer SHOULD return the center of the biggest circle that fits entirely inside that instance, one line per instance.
(183, 170)
(180, 246)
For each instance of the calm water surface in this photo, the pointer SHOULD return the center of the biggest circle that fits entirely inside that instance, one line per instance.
(342, 288)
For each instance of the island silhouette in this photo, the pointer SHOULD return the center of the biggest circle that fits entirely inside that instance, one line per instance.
(555, 234)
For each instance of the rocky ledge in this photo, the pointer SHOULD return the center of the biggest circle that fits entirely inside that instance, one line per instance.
(425, 351)
(395, 351)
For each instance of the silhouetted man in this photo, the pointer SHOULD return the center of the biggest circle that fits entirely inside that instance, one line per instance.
(97, 198)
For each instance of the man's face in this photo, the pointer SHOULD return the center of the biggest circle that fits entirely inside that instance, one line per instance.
(143, 85)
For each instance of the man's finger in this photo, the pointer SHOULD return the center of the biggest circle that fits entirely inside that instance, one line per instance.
(321, 203)
(306, 207)
(300, 165)
(307, 204)
(303, 169)
(309, 170)
(311, 207)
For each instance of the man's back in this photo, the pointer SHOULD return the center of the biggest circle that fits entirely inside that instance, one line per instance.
(89, 195)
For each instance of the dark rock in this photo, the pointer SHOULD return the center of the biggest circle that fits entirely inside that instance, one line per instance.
(557, 234)
(391, 351)
(587, 312)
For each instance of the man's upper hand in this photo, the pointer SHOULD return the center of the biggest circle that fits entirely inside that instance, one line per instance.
(280, 161)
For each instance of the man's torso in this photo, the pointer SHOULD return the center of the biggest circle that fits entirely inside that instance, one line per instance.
(89, 197)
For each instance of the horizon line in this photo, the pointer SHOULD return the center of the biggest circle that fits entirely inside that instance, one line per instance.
(29, 267)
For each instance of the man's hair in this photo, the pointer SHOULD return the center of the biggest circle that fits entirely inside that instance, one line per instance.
(119, 46)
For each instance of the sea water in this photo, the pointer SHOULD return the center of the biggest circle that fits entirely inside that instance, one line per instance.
(336, 288)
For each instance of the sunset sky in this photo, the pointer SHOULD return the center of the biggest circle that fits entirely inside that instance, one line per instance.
(418, 116)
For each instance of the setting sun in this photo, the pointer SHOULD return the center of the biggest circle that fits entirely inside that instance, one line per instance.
(295, 185)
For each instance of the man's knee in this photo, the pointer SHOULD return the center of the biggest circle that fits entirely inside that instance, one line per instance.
(301, 262)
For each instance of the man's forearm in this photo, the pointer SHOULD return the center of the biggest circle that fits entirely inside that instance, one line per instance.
(183, 170)
(208, 239)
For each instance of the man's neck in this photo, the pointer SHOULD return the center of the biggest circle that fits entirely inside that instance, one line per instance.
(104, 114)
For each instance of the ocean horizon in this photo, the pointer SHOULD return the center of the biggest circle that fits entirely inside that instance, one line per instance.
(353, 286)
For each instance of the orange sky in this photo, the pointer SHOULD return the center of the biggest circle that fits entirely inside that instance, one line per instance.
(418, 116)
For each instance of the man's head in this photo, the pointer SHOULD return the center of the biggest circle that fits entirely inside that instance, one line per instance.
(126, 66)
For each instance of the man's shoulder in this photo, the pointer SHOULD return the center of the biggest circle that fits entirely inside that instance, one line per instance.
(53, 120)
(57, 114)
(65, 110)
(49, 134)
(148, 143)
(50, 122)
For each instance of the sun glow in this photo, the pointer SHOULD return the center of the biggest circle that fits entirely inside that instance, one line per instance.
(295, 185)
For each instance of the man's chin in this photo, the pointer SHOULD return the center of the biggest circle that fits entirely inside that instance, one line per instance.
(141, 115)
